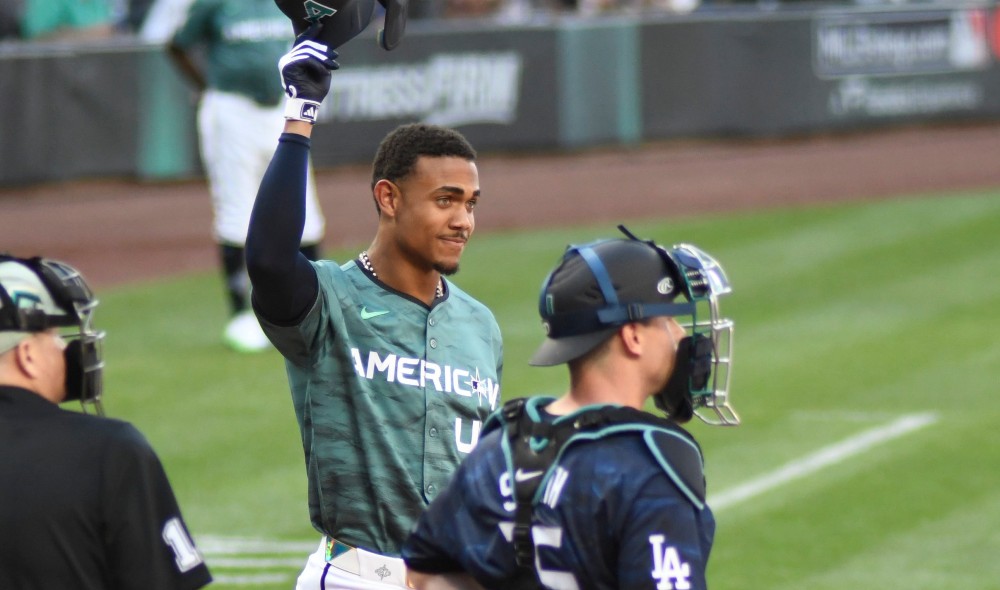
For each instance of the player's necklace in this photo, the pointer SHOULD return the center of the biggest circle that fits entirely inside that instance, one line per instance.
(367, 263)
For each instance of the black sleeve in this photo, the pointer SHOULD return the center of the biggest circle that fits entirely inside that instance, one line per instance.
(284, 281)
(149, 545)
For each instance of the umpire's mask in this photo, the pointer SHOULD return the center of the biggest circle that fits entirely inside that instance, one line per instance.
(38, 294)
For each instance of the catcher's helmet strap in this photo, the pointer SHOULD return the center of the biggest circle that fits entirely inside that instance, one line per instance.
(600, 274)
(586, 321)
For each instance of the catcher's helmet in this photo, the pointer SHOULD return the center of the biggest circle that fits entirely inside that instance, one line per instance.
(601, 286)
(38, 294)
(345, 19)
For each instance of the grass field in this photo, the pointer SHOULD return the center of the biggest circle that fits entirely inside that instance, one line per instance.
(867, 370)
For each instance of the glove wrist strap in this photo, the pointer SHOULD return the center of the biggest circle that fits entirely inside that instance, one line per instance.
(300, 109)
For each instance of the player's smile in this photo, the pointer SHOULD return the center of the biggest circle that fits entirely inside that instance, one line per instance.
(455, 242)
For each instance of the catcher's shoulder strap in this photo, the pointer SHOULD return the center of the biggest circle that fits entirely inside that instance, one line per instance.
(680, 458)
(534, 446)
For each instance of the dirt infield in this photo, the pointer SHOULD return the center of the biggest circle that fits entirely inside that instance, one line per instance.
(117, 231)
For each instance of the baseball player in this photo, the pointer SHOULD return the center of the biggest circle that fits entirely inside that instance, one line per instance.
(239, 119)
(392, 368)
(84, 501)
(587, 490)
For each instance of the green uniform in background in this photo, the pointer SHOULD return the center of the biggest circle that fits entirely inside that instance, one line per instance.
(230, 50)
(243, 41)
(390, 396)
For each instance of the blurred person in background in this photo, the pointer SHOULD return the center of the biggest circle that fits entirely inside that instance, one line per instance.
(239, 121)
(67, 20)
(10, 19)
(162, 19)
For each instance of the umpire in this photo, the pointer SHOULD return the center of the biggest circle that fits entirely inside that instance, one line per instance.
(84, 500)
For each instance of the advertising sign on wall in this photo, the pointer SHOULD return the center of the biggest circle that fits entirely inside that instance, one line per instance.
(903, 63)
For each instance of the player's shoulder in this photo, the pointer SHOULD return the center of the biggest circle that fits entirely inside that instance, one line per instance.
(113, 429)
(654, 445)
(104, 434)
(339, 275)
(680, 458)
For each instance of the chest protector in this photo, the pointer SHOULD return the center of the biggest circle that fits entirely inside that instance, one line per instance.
(533, 444)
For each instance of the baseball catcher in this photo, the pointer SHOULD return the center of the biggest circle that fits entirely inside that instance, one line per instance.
(588, 491)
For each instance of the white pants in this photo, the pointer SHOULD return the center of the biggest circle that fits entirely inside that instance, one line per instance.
(321, 575)
(237, 137)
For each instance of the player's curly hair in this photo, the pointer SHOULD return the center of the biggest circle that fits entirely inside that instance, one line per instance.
(398, 152)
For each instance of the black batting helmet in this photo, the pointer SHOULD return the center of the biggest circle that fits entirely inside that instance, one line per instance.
(344, 20)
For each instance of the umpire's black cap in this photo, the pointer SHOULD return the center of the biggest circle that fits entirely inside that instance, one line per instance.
(599, 287)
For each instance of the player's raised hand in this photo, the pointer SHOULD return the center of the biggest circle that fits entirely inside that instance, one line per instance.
(305, 74)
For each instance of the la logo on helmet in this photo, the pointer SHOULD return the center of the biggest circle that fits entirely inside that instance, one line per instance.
(316, 12)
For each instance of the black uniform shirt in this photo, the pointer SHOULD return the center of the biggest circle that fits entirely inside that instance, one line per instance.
(86, 504)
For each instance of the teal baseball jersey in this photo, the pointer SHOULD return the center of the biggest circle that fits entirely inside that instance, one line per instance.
(243, 41)
(390, 396)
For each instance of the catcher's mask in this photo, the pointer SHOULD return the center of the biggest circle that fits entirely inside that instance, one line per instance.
(344, 20)
(601, 286)
(37, 294)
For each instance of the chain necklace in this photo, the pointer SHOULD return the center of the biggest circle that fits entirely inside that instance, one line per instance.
(367, 263)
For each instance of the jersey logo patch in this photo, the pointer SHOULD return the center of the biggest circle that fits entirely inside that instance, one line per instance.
(367, 315)
(316, 12)
(522, 475)
(668, 566)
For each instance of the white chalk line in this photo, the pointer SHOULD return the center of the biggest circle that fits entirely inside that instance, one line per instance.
(220, 550)
(248, 580)
(821, 459)
(245, 554)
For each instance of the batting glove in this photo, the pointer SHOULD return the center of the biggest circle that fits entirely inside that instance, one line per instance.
(305, 75)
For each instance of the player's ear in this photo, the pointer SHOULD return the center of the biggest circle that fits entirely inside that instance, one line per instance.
(631, 338)
(386, 195)
(26, 357)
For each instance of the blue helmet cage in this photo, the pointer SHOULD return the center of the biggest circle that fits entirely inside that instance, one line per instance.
(704, 281)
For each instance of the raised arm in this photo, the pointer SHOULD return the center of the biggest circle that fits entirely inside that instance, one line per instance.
(284, 281)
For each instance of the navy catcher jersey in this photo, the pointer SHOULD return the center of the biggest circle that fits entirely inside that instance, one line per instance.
(85, 504)
(390, 396)
(610, 516)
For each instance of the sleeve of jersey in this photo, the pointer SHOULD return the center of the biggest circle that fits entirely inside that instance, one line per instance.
(150, 546)
(284, 281)
(667, 535)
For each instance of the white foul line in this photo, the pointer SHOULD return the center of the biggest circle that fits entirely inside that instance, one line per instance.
(822, 458)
